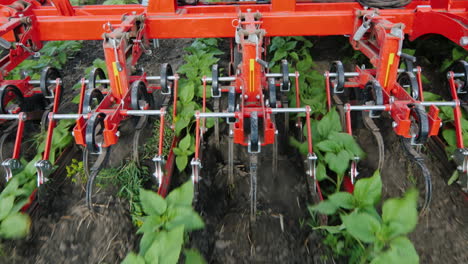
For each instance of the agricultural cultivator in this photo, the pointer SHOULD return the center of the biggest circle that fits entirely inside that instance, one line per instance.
(256, 97)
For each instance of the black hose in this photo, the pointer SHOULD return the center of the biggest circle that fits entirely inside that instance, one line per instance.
(384, 3)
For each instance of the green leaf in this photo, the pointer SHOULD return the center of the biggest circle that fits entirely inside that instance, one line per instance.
(328, 146)
(15, 226)
(458, 53)
(368, 191)
(331, 229)
(175, 239)
(153, 203)
(449, 136)
(401, 251)
(146, 241)
(338, 162)
(321, 172)
(181, 196)
(150, 224)
(347, 142)
(453, 178)
(157, 249)
(329, 123)
(184, 144)
(11, 187)
(342, 199)
(192, 256)
(362, 226)
(187, 92)
(133, 258)
(324, 207)
(184, 216)
(401, 215)
(181, 162)
(6, 203)
(428, 96)
(181, 124)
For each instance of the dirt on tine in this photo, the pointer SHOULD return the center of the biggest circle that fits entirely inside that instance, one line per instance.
(65, 232)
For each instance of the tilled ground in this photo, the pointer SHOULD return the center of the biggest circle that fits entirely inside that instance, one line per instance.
(65, 232)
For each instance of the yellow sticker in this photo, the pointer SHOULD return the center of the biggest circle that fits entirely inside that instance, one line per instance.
(117, 78)
(252, 75)
(389, 64)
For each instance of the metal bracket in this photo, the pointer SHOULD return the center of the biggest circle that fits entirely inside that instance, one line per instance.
(196, 167)
(461, 159)
(44, 169)
(312, 169)
(11, 165)
(159, 162)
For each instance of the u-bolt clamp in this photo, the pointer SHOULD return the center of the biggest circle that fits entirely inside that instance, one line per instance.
(44, 169)
(158, 172)
(11, 165)
(196, 167)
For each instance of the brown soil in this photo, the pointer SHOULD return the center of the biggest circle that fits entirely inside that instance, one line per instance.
(65, 232)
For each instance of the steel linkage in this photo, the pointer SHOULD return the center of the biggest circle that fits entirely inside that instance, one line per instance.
(252, 104)
(389, 88)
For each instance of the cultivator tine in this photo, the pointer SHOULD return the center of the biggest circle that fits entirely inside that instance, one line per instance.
(370, 124)
(93, 171)
(253, 186)
(231, 155)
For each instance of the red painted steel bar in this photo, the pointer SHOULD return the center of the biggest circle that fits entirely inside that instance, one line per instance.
(52, 122)
(279, 19)
(457, 115)
(19, 136)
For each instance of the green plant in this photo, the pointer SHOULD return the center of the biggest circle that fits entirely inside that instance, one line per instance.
(164, 225)
(334, 149)
(365, 235)
(198, 63)
(54, 53)
(75, 172)
(16, 194)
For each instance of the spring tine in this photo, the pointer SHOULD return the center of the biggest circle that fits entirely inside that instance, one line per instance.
(231, 155)
(253, 186)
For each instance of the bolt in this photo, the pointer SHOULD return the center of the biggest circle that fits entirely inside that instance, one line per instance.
(460, 168)
(441, 124)
(249, 10)
(258, 96)
(464, 41)
(392, 99)
(246, 96)
(117, 133)
(394, 124)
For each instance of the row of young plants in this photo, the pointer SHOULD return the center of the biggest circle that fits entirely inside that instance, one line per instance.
(15, 224)
(360, 235)
(165, 223)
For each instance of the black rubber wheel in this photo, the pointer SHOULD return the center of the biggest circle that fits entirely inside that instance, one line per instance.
(337, 82)
(94, 75)
(94, 132)
(140, 99)
(48, 89)
(92, 99)
(272, 92)
(215, 81)
(12, 99)
(166, 84)
(286, 84)
(408, 81)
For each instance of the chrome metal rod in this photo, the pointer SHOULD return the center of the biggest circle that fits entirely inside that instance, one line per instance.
(288, 110)
(365, 107)
(106, 81)
(231, 79)
(67, 116)
(144, 112)
(346, 74)
(216, 115)
(10, 116)
(355, 74)
(452, 104)
(458, 75)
